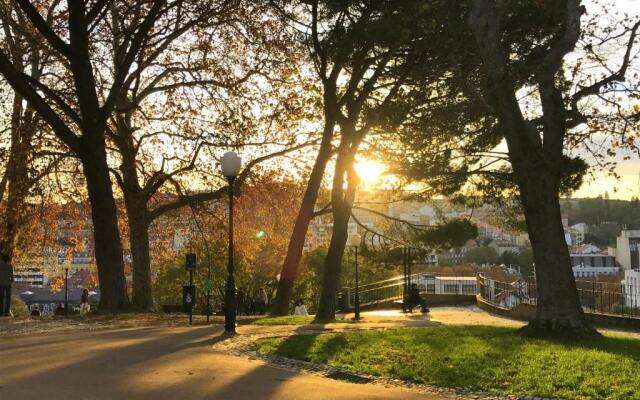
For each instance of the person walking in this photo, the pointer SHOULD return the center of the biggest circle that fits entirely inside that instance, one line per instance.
(6, 278)
(84, 302)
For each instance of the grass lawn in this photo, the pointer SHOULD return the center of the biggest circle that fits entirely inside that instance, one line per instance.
(293, 320)
(480, 358)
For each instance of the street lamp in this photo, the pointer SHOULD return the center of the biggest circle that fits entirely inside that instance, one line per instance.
(66, 291)
(355, 242)
(230, 164)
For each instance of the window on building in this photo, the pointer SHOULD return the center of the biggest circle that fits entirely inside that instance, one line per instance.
(450, 288)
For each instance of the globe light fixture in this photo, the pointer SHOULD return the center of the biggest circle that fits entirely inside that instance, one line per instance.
(230, 164)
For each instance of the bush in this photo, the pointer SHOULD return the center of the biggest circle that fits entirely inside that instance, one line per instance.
(18, 307)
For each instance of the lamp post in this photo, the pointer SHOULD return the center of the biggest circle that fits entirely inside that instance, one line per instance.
(355, 242)
(405, 272)
(409, 273)
(230, 164)
(66, 291)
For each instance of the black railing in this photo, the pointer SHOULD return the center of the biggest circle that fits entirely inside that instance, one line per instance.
(595, 297)
(507, 295)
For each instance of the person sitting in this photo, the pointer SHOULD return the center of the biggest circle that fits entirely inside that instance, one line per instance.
(59, 310)
(300, 309)
(416, 299)
(35, 312)
(263, 300)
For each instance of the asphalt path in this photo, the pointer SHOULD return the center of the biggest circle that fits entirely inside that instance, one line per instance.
(157, 363)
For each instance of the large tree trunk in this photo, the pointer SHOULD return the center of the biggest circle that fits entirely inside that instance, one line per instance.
(108, 248)
(138, 218)
(139, 241)
(342, 205)
(333, 265)
(536, 157)
(558, 311)
(305, 215)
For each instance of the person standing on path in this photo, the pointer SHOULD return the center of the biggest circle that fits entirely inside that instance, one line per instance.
(6, 278)
(84, 302)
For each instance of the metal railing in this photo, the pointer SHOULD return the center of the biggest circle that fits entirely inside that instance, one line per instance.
(428, 283)
(595, 297)
(507, 295)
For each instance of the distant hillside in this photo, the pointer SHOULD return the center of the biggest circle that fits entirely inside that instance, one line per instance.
(598, 210)
(605, 217)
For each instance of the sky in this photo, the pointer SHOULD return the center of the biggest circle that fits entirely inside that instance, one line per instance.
(629, 170)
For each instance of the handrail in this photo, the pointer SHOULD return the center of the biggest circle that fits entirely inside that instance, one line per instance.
(603, 298)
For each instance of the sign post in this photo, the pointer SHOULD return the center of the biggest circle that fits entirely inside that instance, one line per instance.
(189, 292)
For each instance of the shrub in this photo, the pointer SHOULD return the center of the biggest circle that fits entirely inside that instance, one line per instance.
(18, 307)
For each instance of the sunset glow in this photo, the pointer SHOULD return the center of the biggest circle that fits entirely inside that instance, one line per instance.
(369, 171)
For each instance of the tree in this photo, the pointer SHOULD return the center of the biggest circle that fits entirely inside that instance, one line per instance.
(161, 72)
(482, 255)
(26, 163)
(262, 234)
(536, 144)
(188, 100)
(306, 212)
(508, 258)
(78, 117)
(363, 58)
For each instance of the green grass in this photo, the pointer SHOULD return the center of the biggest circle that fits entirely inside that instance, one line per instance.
(478, 358)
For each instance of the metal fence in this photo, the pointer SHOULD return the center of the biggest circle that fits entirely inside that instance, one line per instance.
(428, 283)
(595, 297)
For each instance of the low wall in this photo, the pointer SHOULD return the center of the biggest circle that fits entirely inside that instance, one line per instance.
(523, 312)
(449, 299)
(527, 312)
(614, 321)
(432, 300)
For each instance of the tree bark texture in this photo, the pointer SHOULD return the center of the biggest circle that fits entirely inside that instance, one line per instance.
(108, 247)
(305, 215)
(342, 205)
(138, 219)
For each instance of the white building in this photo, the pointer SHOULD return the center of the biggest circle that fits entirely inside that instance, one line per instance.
(447, 284)
(578, 231)
(627, 249)
(632, 288)
(586, 265)
(30, 276)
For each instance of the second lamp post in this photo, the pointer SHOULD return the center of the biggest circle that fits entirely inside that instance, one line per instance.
(355, 242)
(230, 164)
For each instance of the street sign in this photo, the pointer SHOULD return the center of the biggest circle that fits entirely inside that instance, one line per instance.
(188, 297)
(190, 264)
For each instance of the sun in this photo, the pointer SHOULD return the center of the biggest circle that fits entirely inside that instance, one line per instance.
(369, 171)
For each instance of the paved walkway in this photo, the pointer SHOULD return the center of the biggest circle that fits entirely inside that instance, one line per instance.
(157, 363)
(178, 362)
